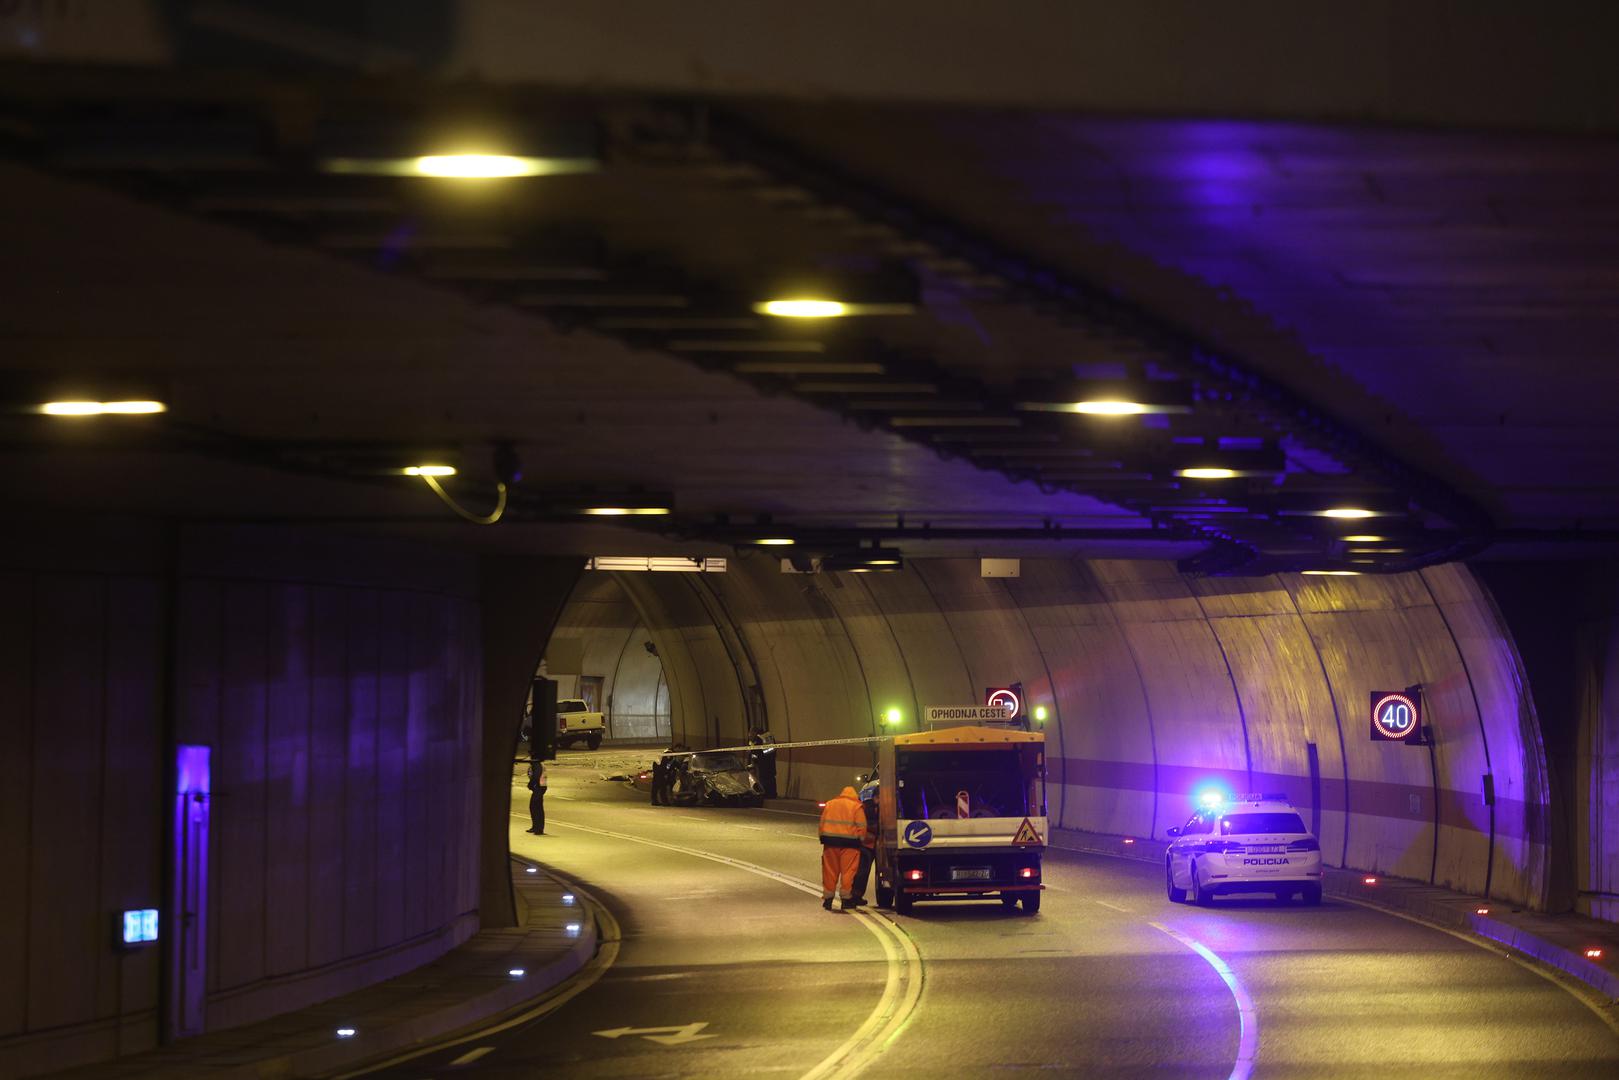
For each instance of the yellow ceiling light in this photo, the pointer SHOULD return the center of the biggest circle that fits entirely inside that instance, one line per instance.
(1363, 538)
(1348, 513)
(803, 308)
(1110, 408)
(1210, 473)
(882, 562)
(775, 541)
(626, 511)
(429, 470)
(1377, 551)
(470, 166)
(102, 408)
(1331, 573)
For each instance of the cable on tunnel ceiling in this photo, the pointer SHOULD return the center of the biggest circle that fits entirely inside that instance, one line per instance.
(492, 517)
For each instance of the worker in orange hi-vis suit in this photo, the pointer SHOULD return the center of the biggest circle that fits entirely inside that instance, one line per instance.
(843, 824)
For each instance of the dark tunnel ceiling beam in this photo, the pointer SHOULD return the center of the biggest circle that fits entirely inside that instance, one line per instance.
(1043, 286)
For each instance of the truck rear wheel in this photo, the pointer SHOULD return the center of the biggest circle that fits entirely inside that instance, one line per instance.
(1031, 903)
(593, 740)
(902, 902)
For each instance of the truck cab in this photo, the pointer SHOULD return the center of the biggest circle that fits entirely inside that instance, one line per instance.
(962, 817)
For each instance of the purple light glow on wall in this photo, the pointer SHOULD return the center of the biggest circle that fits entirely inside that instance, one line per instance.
(192, 769)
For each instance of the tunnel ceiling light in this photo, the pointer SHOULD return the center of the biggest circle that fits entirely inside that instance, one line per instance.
(460, 166)
(1210, 463)
(626, 511)
(1377, 550)
(428, 470)
(346, 1033)
(775, 541)
(78, 408)
(1364, 538)
(1116, 399)
(1336, 508)
(456, 144)
(1330, 573)
(802, 308)
(517, 973)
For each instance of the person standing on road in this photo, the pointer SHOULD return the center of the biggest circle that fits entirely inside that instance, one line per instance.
(536, 796)
(868, 842)
(843, 827)
(764, 763)
(660, 781)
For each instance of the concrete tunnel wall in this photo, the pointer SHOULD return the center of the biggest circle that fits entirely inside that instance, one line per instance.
(339, 688)
(601, 627)
(1156, 683)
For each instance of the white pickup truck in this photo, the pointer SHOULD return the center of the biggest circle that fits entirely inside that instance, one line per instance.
(576, 723)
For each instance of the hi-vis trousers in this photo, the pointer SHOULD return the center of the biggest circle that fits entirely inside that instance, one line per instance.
(838, 865)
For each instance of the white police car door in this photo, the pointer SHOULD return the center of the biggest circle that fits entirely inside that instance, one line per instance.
(1185, 846)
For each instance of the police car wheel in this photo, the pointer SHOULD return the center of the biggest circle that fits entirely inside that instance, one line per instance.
(1312, 895)
(1176, 896)
(1200, 895)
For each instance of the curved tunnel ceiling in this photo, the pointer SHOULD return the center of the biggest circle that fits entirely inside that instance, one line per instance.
(1321, 296)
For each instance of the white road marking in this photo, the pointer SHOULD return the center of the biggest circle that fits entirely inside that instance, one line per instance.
(669, 1036)
(470, 1056)
(1104, 903)
(901, 991)
(1577, 988)
(608, 937)
(1247, 1015)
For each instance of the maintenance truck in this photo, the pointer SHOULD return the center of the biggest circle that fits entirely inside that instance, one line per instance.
(963, 817)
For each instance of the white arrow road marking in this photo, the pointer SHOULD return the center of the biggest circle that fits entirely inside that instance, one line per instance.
(676, 1036)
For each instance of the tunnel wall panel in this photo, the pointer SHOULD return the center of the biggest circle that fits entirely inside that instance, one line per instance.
(1158, 684)
(301, 662)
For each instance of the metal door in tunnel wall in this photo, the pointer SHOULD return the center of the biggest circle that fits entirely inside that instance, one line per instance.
(186, 954)
(590, 691)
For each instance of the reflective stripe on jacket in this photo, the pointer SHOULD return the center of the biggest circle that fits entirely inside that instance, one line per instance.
(843, 820)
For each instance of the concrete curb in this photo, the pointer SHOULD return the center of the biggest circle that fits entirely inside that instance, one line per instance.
(374, 1045)
(1453, 911)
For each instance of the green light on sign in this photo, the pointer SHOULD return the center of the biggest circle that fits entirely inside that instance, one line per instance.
(1040, 714)
(893, 715)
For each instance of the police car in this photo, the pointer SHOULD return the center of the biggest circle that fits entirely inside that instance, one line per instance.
(1248, 844)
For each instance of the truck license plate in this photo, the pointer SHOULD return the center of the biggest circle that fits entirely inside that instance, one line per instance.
(969, 873)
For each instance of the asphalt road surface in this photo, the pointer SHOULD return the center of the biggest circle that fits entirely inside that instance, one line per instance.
(729, 967)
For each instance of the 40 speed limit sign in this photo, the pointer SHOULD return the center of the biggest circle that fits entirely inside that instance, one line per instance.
(1397, 716)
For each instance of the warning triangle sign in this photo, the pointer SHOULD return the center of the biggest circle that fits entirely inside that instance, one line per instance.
(1025, 834)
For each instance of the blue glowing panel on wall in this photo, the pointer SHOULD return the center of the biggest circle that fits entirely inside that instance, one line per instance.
(140, 926)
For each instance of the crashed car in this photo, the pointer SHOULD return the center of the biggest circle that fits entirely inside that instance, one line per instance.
(716, 778)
